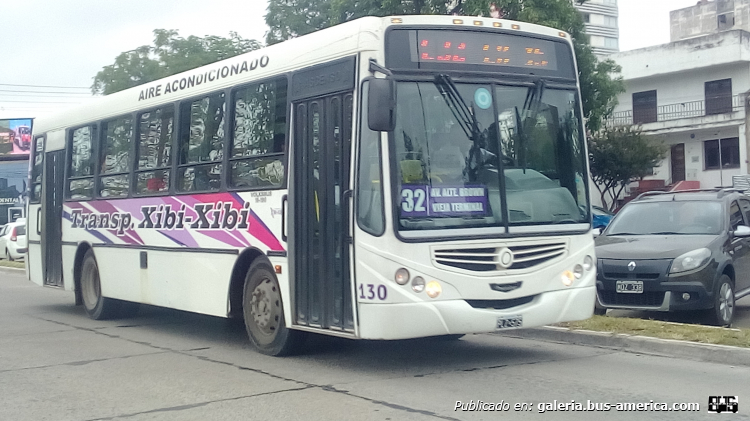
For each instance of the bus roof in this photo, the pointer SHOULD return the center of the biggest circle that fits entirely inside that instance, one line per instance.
(364, 34)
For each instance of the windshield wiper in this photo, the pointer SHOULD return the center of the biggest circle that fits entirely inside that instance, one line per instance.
(666, 233)
(467, 119)
(623, 233)
(463, 113)
(529, 112)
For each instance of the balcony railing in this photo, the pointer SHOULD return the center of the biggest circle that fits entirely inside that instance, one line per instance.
(717, 106)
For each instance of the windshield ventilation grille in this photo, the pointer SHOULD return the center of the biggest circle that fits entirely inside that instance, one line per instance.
(501, 258)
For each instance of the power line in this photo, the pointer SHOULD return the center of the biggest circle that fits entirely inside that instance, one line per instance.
(47, 86)
(44, 92)
(42, 102)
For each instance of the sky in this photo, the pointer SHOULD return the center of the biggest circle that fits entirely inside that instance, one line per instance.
(51, 55)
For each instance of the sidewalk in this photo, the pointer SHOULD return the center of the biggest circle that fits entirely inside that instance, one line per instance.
(721, 354)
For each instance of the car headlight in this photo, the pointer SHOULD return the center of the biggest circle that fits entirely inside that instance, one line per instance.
(690, 260)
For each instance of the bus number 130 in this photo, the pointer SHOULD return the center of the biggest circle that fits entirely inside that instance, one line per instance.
(370, 292)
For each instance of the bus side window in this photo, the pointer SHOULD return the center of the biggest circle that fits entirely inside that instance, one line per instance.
(201, 144)
(35, 194)
(81, 169)
(114, 171)
(259, 137)
(154, 151)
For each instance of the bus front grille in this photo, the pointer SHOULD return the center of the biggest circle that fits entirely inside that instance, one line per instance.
(489, 259)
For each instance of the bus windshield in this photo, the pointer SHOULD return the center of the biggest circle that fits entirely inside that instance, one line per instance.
(453, 140)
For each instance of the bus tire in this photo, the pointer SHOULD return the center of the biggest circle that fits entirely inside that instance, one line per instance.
(96, 306)
(263, 311)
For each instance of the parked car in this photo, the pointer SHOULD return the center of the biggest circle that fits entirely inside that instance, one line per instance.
(673, 251)
(13, 240)
(601, 217)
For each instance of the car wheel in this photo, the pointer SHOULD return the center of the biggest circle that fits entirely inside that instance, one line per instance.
(96, 306)
(598, 310)
(723, 311)
(263, 310)
(8, 256)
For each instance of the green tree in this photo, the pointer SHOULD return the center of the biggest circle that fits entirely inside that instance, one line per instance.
(170, 54)
(599, 85)
(619, 156)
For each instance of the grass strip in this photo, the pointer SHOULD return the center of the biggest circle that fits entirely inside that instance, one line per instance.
(664, 330)
(7, 264)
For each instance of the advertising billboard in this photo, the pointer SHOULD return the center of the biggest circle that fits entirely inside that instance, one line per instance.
(13, 181)
(15, 136)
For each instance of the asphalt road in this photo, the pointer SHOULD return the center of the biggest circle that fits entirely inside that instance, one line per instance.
(56, 364)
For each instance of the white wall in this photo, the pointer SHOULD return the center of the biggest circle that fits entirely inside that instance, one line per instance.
(668, 59)
(685, 85)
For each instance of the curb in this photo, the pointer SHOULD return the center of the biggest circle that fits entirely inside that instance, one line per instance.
(722, 354)
(12, 269)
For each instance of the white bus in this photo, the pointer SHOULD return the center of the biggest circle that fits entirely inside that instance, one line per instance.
(386, 178)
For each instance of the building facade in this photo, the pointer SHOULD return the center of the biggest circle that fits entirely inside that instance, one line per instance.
(709, 17)
(601, 19)
(692, 95)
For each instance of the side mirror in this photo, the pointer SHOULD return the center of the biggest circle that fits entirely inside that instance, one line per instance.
(381, 105)
(742, 231)
(597, 232)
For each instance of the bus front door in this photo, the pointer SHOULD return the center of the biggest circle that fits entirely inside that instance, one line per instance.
(51, 223)
(320, 194)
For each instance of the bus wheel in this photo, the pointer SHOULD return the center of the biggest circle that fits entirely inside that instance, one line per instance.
(263, 310)
(97, 307)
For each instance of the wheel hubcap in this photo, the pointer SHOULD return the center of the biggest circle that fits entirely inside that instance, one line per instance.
(266, 307)
(726, 303)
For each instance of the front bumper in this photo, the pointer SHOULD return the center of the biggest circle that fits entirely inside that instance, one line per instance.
(433, 318)
(662, 294)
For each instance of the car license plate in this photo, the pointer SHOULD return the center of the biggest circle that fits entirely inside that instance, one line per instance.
(630, 287)
(509, 322)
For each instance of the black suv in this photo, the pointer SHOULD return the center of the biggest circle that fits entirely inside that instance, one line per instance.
(670, 251)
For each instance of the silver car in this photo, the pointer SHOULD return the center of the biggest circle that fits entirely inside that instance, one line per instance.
(13, 244)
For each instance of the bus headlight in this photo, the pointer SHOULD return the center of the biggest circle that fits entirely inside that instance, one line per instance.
(567, 278)
(578, 271)
(417, 284)
(588, 263)
(433, 289)
(402, 276)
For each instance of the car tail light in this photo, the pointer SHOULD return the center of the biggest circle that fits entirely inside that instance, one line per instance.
(13, 236)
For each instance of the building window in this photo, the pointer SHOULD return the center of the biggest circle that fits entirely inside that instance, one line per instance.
(586, 18)
(611, 42)
(644, 107)
(725, 21)
(610, 21)
(724, 151)
(718, 96)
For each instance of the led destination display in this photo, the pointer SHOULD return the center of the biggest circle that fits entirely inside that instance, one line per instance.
(482, 48)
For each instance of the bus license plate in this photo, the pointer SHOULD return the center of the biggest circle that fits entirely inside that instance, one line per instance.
(509, 322)
(630, 287)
